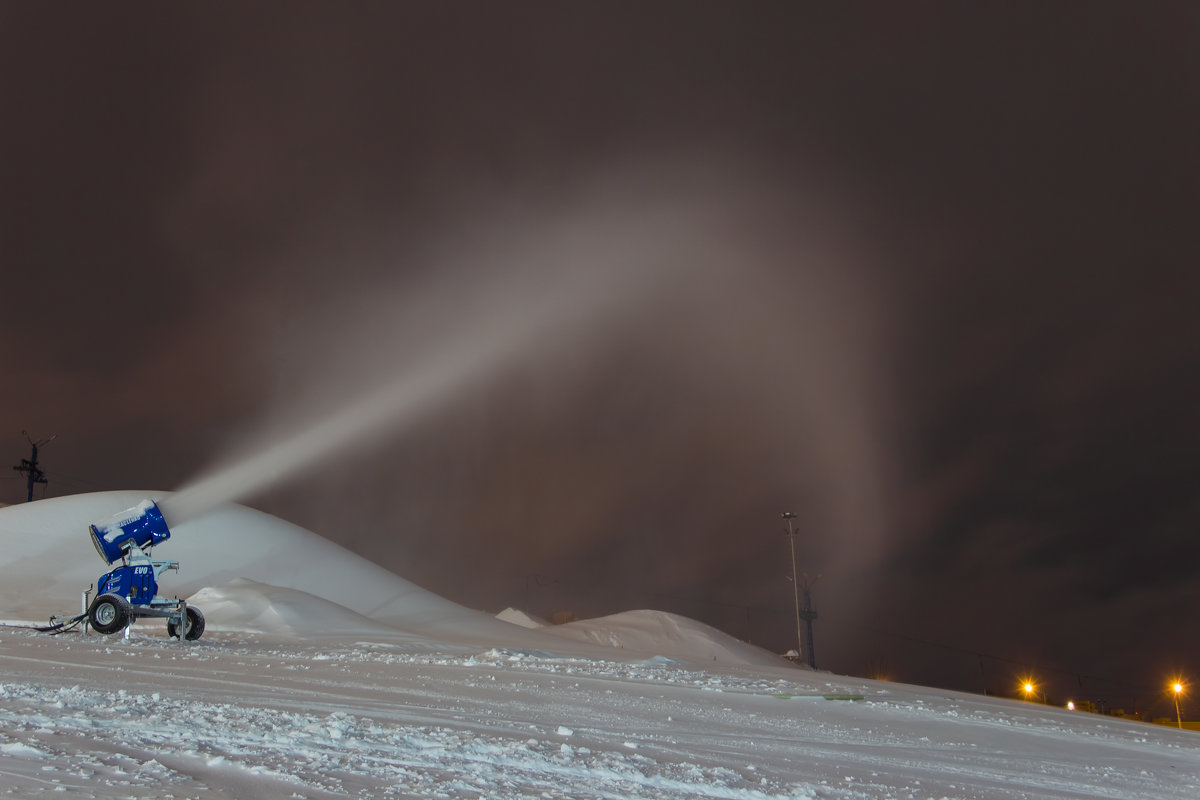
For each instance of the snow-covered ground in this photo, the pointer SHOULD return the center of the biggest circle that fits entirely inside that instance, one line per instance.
(385, 690)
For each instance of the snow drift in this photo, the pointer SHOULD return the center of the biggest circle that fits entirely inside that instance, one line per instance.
(254, 572)
(48, 560)
(663, 634)
(276, 611)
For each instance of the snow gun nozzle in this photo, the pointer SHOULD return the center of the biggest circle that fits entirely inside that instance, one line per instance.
(142, 526)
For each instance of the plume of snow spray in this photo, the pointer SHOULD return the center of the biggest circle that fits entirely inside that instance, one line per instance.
(725, 282)
(387, 407)
(560, 289)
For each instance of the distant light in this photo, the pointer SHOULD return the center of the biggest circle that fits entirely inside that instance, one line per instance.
(1070, 705)
(1178, 687)
(1029, 688)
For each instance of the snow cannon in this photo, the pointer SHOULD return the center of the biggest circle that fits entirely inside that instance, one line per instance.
(130, 591)
(142, 526)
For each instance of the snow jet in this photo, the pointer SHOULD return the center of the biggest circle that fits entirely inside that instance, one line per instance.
(710, 278)
(383, 408)
(559, 281)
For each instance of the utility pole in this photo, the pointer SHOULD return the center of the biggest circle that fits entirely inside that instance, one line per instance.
(30, 465)
(808, 614)
(791, 534)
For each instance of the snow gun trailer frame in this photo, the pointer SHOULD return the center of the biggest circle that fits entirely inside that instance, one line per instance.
(130, 591)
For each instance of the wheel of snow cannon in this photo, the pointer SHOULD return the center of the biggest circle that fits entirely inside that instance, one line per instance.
(109, 613)
(195, 625)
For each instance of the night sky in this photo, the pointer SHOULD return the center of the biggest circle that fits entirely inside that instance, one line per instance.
(925, 274)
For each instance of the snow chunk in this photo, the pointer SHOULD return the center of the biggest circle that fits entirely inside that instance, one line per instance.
(22, 750)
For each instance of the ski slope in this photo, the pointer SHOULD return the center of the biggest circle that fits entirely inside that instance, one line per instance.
(390, 691)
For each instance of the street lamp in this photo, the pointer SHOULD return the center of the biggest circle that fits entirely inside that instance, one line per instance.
(791, 534)
(1177, 687)
(1030, 688)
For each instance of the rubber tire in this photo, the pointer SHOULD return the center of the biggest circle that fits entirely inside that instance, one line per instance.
(109, 613)
(195, 625)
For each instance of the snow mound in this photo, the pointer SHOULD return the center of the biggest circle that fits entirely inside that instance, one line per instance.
(247, 605)
(47, 560)
(518, 617)
(246, 570)
(659, 633)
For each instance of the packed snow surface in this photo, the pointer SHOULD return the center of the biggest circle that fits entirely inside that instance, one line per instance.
(293, 693)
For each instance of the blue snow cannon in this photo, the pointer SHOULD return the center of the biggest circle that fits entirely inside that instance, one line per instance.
(131, 590)
(142, 526)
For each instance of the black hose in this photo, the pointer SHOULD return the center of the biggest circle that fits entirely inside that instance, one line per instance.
(54, 628)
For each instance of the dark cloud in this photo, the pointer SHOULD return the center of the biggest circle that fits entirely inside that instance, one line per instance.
(923, 274)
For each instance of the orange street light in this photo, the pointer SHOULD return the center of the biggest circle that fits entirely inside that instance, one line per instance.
(1177, 688)
(1030, 689)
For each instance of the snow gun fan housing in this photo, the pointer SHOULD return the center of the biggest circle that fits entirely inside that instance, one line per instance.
(142, 526)
(131, 590)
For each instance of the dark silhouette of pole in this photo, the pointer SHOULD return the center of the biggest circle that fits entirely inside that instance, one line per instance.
(30, 466)
(808, 614)
(791, 534)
